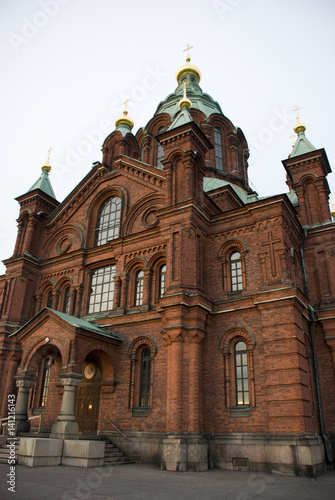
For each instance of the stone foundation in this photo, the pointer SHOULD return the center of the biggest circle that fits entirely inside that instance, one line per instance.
(285, 454)
(83, 453)
(41, 452)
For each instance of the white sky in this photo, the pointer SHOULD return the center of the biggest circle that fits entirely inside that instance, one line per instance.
(69, 64)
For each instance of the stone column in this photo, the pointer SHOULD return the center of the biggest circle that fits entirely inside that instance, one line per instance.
(147, 287)
(24, 383)
(174, 448)
(79, 294)
(66, 426)
(38, 298)
(32, 223)
(117, 292)
(72, 300)
(124, 290)
(19, 238)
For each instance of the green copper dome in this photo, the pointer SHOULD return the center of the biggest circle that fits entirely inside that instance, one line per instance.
(203, 102)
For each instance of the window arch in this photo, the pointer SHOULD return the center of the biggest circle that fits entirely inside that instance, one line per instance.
(108, 221)
(66, 300)
(233, 255)
(145, 378)
(139, 287)
(218, 149)
(237, 347)
(142, 352)
(236, 272)
(50, 297)
(162, 280)
(160, 151)
(241, 370)
(45, 381)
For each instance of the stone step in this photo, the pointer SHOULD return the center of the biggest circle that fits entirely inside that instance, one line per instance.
(4, 451)
(116, 460)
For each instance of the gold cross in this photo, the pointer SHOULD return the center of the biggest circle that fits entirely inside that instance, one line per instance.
(49, 151)
(188, 48)
(125, 104)
(296, 109)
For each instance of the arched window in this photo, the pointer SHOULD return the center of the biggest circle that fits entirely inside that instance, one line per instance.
(241, 367)
(236, 272)
(160, 151)
(66, 301)
(108, 221)
(218, 148)
(102, 289)
(237, 347)
(162, 280)
(139, 282)
(145, 379)
(45, 381)
(49, 299)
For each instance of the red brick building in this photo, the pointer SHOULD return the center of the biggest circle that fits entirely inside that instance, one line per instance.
(164, 299)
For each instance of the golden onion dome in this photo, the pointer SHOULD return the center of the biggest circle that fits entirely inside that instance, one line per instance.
(124, 120)
(188, 69)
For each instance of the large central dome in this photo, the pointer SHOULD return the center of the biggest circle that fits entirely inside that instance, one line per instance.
(203, 102)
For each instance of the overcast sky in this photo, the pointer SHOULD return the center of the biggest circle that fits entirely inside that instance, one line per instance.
(69, 64)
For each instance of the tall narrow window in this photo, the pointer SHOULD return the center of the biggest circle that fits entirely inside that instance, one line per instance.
(242, 385)
(160, 151)
(162, 280)
(218, 149)
(50, 299)
(108, 221)
(139, 282)
(102, 289)
(45, 381)
(66, 302)
(236, 272)
(145, 378)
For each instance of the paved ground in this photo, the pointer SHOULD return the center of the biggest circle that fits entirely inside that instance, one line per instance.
(148, 482)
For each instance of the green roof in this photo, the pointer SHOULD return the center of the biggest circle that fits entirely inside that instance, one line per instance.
(182, 118)
(77, 322)
(211, 183)
(43, 183)
(302, 145)
(203, 102)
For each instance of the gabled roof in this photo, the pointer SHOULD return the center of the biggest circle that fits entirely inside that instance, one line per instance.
(43, 183)
(302, 145)
(73, 321)
(182, 118)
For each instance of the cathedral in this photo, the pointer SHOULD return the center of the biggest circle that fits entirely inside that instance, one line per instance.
(165, 305)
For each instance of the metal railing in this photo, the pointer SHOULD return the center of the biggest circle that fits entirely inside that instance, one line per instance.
(40, 422)
(4, 423)
(119, 430)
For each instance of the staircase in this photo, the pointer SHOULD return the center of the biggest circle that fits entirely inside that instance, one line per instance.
(5, 451)
(113, 454)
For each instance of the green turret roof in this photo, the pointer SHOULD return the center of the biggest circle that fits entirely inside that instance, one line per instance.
(182, 118)
(43, 183)
(302, 145)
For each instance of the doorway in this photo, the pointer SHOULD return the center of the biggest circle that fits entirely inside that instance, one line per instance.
(88, 398)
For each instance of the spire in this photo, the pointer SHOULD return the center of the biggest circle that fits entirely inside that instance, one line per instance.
(43, 183)
(302, 144)
(124, 124)
(188, 68)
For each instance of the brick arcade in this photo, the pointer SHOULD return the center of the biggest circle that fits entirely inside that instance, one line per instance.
(166, 305)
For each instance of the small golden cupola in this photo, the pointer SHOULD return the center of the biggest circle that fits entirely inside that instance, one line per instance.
(124, 124)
